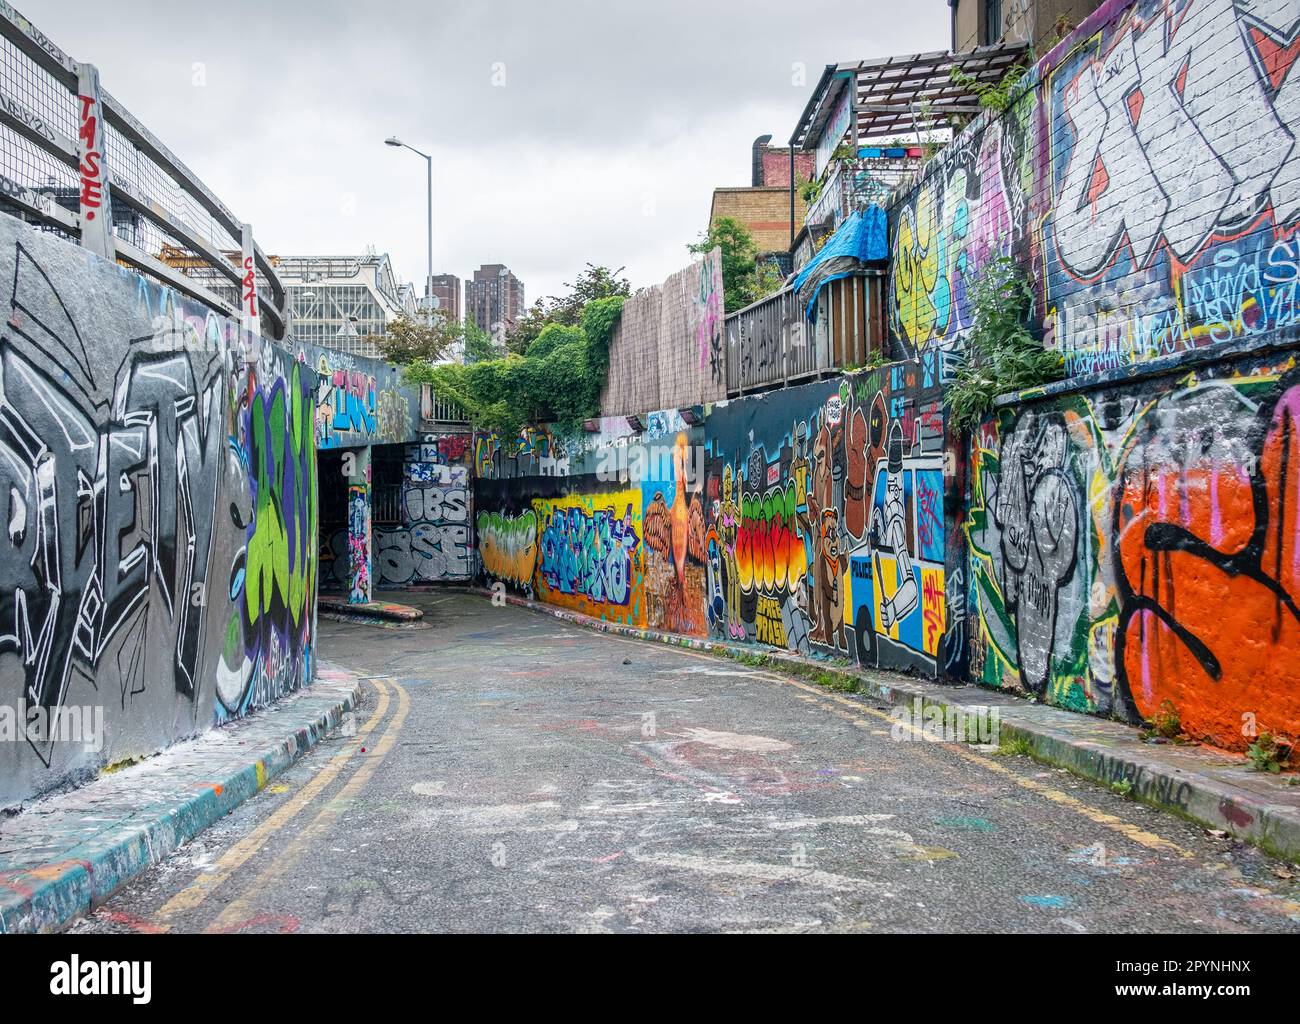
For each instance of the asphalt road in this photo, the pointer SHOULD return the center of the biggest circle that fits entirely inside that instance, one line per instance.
(512, 773)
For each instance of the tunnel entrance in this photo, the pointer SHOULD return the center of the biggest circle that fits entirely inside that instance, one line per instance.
(395, 516)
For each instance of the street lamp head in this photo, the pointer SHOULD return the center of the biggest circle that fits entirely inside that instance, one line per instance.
(392, 140)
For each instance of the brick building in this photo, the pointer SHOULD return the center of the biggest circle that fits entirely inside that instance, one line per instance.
(771, 164)
(447, 290)
(1037, 22)
(764, 205)
(765, 211)
(494, 296)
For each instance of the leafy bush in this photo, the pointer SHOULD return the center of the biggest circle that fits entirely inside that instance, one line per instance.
(558, 380)
(553, 336)
(1001, 354)
(994, 96)
(1269, 754)
(809, 191)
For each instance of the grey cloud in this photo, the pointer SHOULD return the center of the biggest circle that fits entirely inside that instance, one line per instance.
(300, 93)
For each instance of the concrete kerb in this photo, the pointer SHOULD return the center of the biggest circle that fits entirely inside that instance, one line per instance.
(62, 856)
(1208, 787)
(341, 610)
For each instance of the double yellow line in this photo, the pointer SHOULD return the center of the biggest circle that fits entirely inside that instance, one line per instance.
(240, 909)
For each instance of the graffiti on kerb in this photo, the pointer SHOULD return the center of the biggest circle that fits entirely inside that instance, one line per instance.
(157, 478)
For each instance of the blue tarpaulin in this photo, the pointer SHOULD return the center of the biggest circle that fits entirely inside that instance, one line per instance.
(862, 237)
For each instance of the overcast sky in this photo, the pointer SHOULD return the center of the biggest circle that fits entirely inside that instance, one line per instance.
(613, 126)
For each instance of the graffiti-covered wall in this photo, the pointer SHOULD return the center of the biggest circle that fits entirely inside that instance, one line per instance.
(420, 524)
(825, 527)
(809, 519)
(360, 401)
(1141, 544)
(1146, 177)
(158, 485)
(1128, 543)
(616, 532)
(572, 541)
(433, 544)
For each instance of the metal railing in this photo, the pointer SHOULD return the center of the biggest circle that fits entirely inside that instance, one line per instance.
(438, 411)
(164, 221)
(772, 343)
(855, 184)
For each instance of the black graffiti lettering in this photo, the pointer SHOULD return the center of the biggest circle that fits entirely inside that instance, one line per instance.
(111, 498)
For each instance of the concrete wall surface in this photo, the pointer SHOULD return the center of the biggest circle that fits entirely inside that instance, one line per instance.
(158, 485)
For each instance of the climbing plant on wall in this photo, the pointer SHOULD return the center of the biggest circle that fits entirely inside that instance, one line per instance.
(595, 282)
(1001, 355)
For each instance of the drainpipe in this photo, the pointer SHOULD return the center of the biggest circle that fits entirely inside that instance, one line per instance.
(792, 203)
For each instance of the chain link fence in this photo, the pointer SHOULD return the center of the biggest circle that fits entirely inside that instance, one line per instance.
(165, 222)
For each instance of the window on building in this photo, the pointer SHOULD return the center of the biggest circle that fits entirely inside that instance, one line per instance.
(992, 22)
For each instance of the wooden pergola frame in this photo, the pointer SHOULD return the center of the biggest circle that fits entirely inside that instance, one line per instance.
(902, 94)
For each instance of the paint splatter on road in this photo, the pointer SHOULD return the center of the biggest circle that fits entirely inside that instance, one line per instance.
(593, 795)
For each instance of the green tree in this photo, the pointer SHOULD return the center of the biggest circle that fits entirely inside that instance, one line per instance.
(740, 278)
(595, 282)
(479, 345)
(409, 339)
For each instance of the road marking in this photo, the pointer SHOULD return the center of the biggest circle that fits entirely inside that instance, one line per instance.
(241, 908)
(1138, 835)
(234, 858)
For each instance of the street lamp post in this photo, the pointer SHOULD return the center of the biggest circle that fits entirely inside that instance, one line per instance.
(394, 141)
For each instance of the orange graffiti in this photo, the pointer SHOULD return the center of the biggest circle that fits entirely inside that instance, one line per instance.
(1211, 557)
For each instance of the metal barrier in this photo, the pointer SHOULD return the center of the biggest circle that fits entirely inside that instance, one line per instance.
(856, 184)
(772, 343)
(438, 411)
(76, 162)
